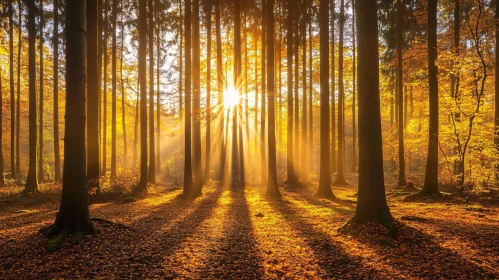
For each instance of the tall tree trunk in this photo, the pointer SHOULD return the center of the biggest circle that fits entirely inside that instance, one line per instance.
(371, 206)
(17, 170)
(11, 87)
(333, 87)
(104, 127)
(272, 189)
(142, 27)
(114, 89)
(41, 174)
(92, 96)
(152, 148)
(290, 154)
(325, 170)
(73, 215)
(220, 86)
(496, 111)
(354, 92)
(296, 108)
(340, 172)
(400, 71)
(196, 100)
(31, 181)
(263, 157)
(311, 95)
(57, 160)
(181, 64)
(136, 128)
(1, 132)
(304, 141)
(123, 94)
(158, 91)
(207, 171)
(430, 186)
(187, 122)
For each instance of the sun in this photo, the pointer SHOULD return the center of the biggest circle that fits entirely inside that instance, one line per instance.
(231, 97)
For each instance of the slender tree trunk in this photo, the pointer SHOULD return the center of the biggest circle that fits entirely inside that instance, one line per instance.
(431, 175)
(187, 122)
(263, 157)
(496, 110)
(340, 172)
(41, 174)
(31, 181)
(158, 91)
(181, 65)
(136, 127)
(220, 86)
(207, 171)
(354, 92)
(92, 96)
(1, 133)
(152, 148)
(100, 43)
(325, 170)
(196, 98)
(73, 215)
(296, 108)
(400, 41)
(304, 141)
(333, 87)
(11, 87)
(290, 154)
(114, 89)
(57, 160)
(272, 189)
(104, 127)
(123, 94)
(142, 28)
(17, 170)
(310, 96)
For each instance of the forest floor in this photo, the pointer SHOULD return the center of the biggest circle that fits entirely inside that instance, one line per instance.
(239, 234)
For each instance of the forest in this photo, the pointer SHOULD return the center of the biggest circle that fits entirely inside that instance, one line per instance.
(249, 139)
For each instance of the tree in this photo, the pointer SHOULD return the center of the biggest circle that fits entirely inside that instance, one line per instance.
(152, 150)
(1, 131)
(73, 216)
(207, 169)
(496, 108)
(11, 87)
(340, 172)
(400, 84)
(57, 160)
(93, 173)
(123, 93)
(371, 205)
(289, 37)
(354, 84)
(142, 22)
(263, 157)
(430, 186)
(272, 189)
(114, 95)
(31, 181)
(325, 174)
(304, 146)
(40, 99)
(220, 86)
(239, 84)
(104, 127)
(333, 87)
(196, 100)
(18, 97)
(187, 122)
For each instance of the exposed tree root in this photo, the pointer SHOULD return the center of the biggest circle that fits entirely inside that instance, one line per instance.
(59, 232)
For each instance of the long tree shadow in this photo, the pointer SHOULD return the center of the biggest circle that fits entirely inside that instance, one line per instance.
(237, 251)
(416, 254)
(332, 259)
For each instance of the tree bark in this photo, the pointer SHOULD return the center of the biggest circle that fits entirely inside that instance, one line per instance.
(304, 139)
(187, 122)
(325, 170)
(371, 206)
(41, 174)
(333, 87)
(289, 37)
(92, 96)
(354, 92)
(207, 169)
(57, 160)
(272, 189)
(263, 111)
(340, 172)
(400, 41)
(142, 28)
(73, 215)
(32, 180)
(17, 169)
(104, 127)
(114, 89)
(430, 186)
(196, 101)
(11, 87)
(152, 148)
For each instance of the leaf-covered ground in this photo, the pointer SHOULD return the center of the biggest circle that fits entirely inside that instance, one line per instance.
(242, 235)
